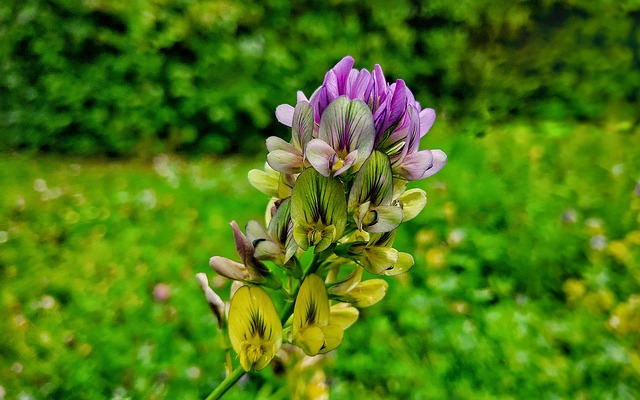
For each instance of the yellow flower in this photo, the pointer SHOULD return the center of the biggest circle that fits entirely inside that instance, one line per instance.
(312, 330)
(254, 327)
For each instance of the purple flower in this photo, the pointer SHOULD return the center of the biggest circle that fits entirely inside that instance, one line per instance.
(345, 138)
(399, 120)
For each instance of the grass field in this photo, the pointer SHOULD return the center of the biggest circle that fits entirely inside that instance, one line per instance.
(526, 284)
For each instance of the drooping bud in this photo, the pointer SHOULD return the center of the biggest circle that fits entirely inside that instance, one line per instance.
(215, 302)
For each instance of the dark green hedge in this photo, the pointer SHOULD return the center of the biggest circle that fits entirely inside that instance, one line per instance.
(119, 77)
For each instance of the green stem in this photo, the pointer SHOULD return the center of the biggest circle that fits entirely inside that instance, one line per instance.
(226, 384)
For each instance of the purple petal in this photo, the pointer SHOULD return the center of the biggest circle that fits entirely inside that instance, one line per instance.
(331, 85)
(341, 71)
(359, 84)
(427, 118)
(379, 117)
(439, 161)
(320, 154)
(301, 97)
(323, 102)
(314, 100)
(284, 114)
(415, 165)
(243, 245)
(398, 103)
(379, 93)
(413, 130)
(285, 162)
(227, 268)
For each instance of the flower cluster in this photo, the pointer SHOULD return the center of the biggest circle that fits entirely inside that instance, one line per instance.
(338, 186)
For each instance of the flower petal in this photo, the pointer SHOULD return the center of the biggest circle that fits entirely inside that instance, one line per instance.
(319, 202)
(285, 162)
(351, 281)
(412, 203)
(320, 156)
(358, 84)
(333, 335)
(278, 227)
(427, 118)
(265, 181)
(341, 71)
(300, 96)
(302, 127)
(277, 143)
(374, 182)
(379, 92)
(384, 219)
(312, 304)
(343, 315)
(255, 330)
(229, 269)
(369, 292)
(243, 245)
(347, 125)
(351, 159)
(439, 161)
(414, 166)
(377, 260)
(284, 114)
(310, 340)
(265, 247)
(396, 104)
(404, 264)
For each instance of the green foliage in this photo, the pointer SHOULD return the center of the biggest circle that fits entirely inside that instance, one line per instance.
(122, 78)
(525, 285)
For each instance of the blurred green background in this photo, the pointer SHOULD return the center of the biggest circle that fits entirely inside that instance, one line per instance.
(127, 129)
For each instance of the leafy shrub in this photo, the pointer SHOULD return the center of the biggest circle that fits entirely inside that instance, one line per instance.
(122, 78)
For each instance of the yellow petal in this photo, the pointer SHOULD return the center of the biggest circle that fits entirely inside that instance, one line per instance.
(412, 202)
(310, 340)
(343, 315)
(404, 264)
(312, 304)
(333, 335)
(376, 259)
(255, 330)
(265, 181)
(348, 283)
(369, 292)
